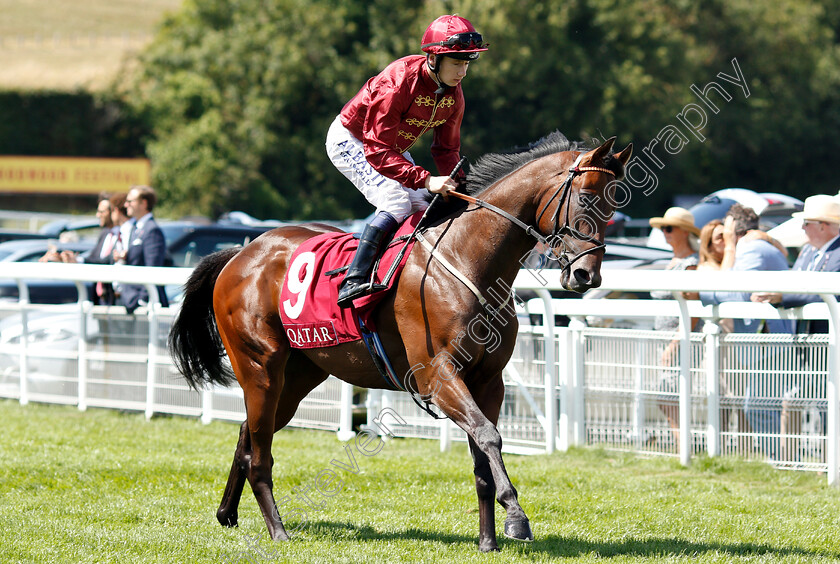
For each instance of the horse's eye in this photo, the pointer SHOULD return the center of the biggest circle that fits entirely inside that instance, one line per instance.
(588, 196)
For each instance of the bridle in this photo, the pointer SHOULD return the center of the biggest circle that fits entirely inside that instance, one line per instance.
(559, 232)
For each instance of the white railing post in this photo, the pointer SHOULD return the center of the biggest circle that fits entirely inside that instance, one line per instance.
(151, 364)
(549, 341)
(685, 381)
(711, 343)
(345, 424)
(832, 392)
(564, 424)
(578, 382)
(445, 428)
(23, 300)
(82, 361)
(639, 403)
(207, 404)
(373, 405)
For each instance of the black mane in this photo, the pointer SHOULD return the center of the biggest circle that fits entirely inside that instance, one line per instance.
(494, 166)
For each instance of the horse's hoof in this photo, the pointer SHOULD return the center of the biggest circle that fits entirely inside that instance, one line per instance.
(489, 546)
(280, 536)
(518, 529)
(228, 520)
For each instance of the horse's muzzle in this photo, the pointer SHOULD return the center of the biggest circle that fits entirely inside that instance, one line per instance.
(583, 276)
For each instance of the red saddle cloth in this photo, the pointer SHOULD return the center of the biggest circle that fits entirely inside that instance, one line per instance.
(311, 318)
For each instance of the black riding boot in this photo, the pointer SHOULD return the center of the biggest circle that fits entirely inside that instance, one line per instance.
(357, 280)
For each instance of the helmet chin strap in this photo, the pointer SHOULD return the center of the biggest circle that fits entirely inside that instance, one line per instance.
(433, 71)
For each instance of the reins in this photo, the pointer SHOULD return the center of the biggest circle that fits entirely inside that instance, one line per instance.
(562, 195)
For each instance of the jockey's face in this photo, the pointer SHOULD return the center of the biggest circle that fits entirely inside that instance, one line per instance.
(452, 71)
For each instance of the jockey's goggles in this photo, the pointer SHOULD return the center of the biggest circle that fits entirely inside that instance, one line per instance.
(466, 40)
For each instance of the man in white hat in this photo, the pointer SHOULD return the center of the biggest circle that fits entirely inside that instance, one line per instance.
(821, 224)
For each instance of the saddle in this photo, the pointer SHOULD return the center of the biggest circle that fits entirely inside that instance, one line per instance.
(308, 309)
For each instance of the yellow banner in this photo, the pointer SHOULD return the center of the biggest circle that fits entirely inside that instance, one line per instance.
(67, 175)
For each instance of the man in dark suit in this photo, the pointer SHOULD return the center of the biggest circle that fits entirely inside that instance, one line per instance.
(146, 245)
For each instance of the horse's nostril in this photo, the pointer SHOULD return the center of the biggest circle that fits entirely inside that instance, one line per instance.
(582, 277)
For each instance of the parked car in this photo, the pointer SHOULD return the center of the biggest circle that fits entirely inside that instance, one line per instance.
(71, 229)
(187, 243)
(621, 255)
(56, 331)
(617, 255)
(40, 291)
(30, 250)
(197, 241)
(16, 235)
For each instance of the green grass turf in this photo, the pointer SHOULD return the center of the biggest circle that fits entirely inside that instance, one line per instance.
(104, 486)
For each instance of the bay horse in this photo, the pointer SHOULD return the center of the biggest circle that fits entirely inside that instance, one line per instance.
(554, 192)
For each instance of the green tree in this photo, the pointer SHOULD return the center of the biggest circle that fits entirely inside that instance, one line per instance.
(238, 94)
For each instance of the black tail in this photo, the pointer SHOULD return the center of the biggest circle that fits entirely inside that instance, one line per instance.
(194, 341)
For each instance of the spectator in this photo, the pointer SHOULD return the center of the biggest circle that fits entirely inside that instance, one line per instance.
(681, 234)
(753, 254)
(103, 214)
(677, 225)
(145, 245)
(99, 293)
(712, 249)
(821, 223)
(104, 293)
(711, 246)
(122, 225)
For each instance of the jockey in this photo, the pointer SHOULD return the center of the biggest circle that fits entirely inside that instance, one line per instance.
(369, 140)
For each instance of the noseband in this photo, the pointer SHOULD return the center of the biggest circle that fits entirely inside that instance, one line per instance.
(559, 232)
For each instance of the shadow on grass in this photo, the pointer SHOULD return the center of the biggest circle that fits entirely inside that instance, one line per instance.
(560, 546)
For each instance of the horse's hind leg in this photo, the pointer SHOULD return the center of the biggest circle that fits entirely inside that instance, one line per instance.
(262, 394)
(228, 514)
(301, 377)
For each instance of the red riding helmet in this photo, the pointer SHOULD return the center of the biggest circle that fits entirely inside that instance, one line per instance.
(454, 37)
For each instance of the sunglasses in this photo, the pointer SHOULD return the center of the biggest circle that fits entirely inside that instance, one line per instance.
(808, 222)
(466, 40)
(667, 228)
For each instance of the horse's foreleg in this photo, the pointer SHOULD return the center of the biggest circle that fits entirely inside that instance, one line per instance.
(228, 514)
(485, 487)
(489, 396)
(458, 403)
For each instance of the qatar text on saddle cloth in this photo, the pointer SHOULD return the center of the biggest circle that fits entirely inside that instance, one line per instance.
(308, 309)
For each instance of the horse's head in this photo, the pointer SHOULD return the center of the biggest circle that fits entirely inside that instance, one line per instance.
(575, 214)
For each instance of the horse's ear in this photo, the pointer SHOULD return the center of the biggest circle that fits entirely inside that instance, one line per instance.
(599, 154)
(624, 156)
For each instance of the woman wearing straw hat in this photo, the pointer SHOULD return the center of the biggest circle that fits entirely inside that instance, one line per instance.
(682, 236)
(677, 224)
